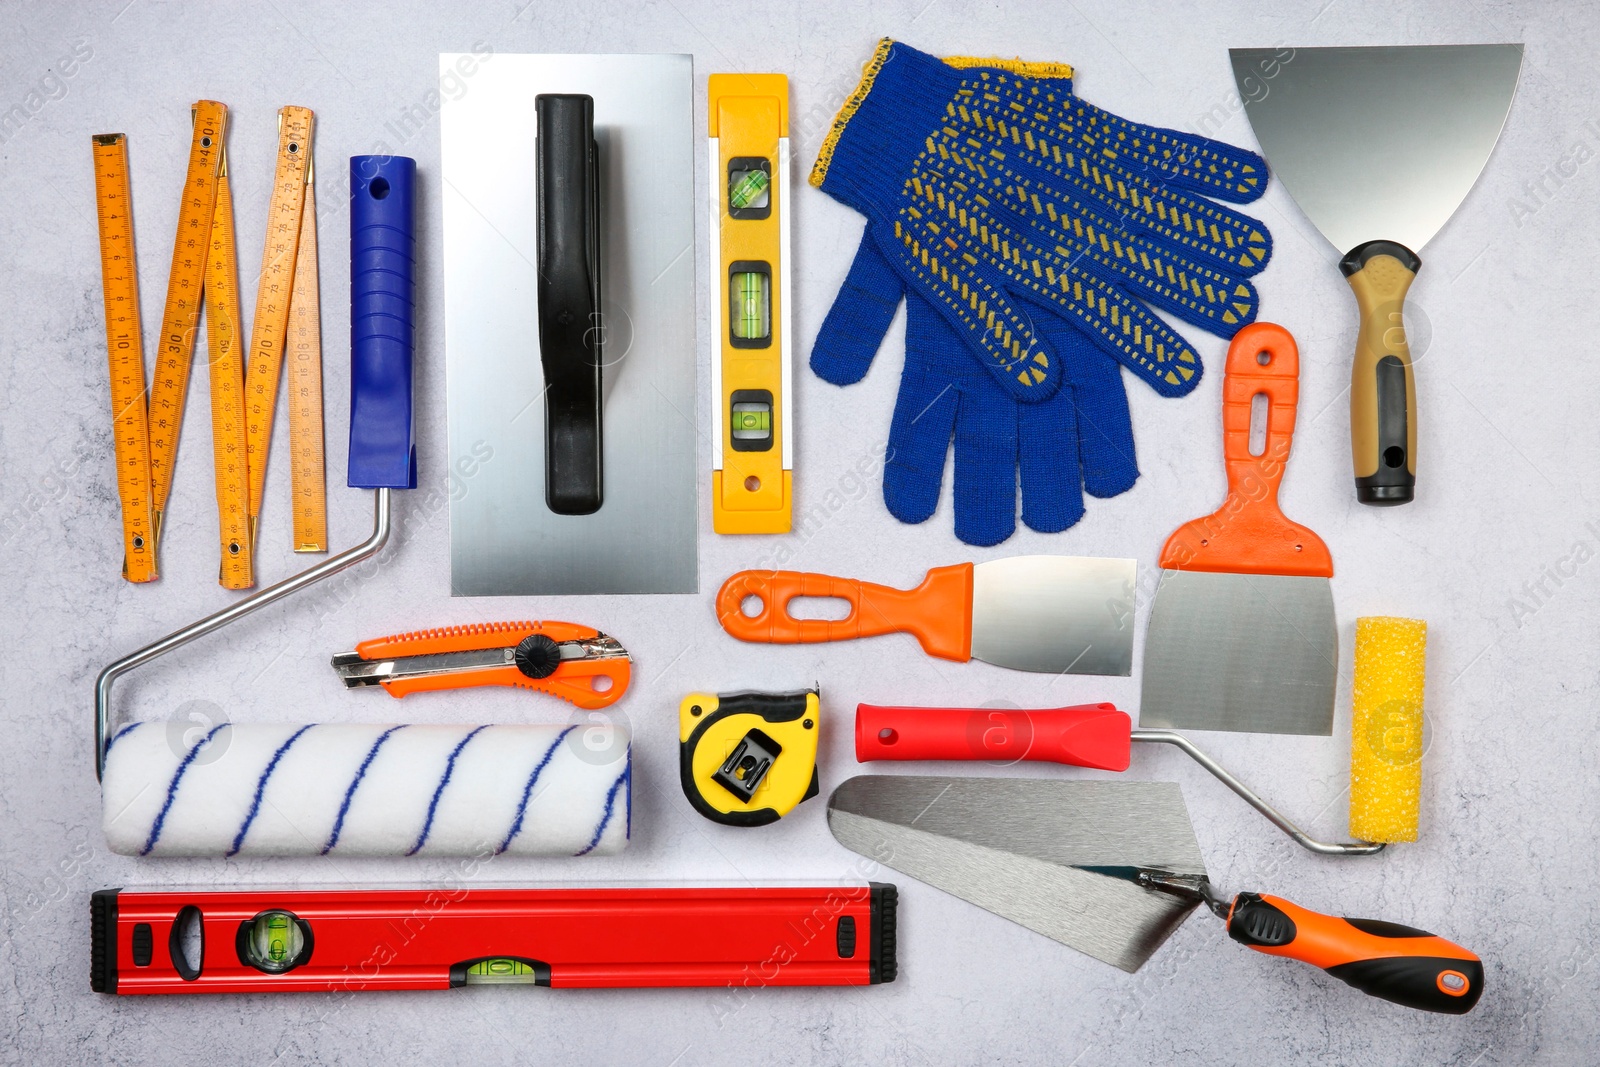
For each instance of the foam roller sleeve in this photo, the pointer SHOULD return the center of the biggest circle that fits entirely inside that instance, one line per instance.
(1386, 724)
(293, 789)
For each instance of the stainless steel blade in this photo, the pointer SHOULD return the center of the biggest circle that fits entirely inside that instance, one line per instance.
(1246, 652)
(1020, 848)
(1055, 614)
(1378, 143)
(355, 671)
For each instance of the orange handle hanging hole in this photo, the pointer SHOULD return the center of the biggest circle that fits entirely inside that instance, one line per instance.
(938, 612)
(1249, 534)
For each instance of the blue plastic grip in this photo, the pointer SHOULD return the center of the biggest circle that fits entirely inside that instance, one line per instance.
(383, 453)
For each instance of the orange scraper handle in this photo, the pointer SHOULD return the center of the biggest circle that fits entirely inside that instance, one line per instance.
(938, 612)
(589, 683)
(1382, 959)
(1249, 534)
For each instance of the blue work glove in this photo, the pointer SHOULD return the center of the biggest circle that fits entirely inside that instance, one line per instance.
(992, 186)
(1079, 440)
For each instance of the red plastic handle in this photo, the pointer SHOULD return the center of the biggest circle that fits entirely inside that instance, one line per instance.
(1088, 735)
(938, 612)
(1249, 534)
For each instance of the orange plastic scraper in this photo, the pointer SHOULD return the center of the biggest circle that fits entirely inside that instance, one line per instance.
(1242, 633)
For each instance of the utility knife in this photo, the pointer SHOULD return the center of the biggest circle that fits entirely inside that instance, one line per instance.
(579, 664)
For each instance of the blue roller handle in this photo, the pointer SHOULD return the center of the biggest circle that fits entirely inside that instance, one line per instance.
(383, 453)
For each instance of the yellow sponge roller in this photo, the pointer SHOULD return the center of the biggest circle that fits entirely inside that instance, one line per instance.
(1386, 729)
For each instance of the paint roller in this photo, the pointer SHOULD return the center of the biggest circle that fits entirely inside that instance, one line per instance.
(295, 789)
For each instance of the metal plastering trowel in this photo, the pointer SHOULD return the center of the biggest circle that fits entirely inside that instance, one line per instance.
(1379, 146)
(1111, 869)
(567, 194)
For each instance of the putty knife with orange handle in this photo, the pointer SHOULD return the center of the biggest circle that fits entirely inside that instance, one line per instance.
(1242, 633)
(1053, 614)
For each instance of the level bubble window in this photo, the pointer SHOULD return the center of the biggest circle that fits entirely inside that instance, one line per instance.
(749, 187)
(750, 304)
(274, 942)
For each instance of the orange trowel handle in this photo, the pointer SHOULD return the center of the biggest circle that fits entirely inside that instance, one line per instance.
(588, 683)
(1386, 960)
(1249, 533)
(938, 612)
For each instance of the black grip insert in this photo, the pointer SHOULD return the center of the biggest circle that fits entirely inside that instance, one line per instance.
(1427, 983)
(1392, 483)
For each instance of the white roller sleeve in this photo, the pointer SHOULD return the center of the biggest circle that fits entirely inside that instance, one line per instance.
(290, 789)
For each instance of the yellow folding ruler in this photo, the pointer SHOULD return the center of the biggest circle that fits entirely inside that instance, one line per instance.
(204, 264)
(125, 349)
(288, 293)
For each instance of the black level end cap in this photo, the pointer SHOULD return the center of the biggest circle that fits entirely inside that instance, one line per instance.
(883, 962)
(103, 941)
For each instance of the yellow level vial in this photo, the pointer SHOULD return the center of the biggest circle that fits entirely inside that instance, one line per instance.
(752, 459)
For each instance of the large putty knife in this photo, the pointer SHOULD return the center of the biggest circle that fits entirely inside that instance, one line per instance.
(1379, 146)
(1111, 869)
(1242, 633)
(1054, 614)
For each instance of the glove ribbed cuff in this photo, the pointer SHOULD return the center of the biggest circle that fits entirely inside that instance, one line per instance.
(883, 125)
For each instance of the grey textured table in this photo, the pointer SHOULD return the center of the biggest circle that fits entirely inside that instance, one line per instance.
(1496, 553)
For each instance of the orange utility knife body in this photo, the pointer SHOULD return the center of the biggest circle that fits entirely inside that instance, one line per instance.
(576, 663)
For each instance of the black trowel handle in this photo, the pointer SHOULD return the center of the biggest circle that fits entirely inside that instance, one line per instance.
(571, 333)
(1383, 394)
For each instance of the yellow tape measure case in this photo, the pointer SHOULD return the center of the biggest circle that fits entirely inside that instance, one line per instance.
(747, 758)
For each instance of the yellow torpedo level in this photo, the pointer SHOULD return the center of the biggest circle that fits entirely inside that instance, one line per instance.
(752, 460)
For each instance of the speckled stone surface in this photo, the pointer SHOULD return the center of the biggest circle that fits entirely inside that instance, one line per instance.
(1497, 553)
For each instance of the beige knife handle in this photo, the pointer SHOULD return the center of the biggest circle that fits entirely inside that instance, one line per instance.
(1383, 392)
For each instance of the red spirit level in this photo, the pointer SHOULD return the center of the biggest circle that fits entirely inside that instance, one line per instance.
(257, 941)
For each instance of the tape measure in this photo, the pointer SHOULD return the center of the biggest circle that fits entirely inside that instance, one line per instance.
(752, 463)
(185, 290)
(225, 348)
(307, 484)
(269, 329)
(746, 759)
(125, 351)
(205, 269)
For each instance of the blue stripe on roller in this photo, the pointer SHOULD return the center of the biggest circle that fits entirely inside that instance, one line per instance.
(627, 827)
(261, 787)
(172, 788)
(433, 805)
(611, 800)
(350, 793)
(527, 790)
(128, 729)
